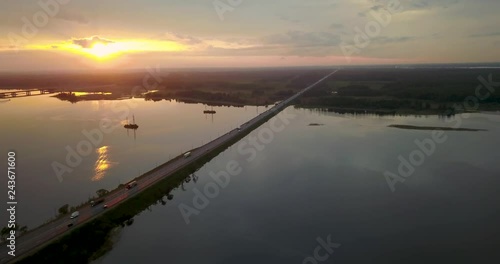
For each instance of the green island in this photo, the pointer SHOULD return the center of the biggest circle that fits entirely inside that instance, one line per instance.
(316, 124)
(436, 128)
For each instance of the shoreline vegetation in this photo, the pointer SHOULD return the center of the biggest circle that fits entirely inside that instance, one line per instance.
(444, 92)
(383, 91)
(436, 128)
(92, 240)
(225, 88)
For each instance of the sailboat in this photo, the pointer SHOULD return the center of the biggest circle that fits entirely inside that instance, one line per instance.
(209, 111)
(132, 125)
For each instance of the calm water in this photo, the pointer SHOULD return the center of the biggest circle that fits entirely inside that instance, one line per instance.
(39, 129)
(312, 183)
(308, 183)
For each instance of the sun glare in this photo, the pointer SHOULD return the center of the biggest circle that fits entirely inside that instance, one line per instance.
(106, 52)
(103, 51)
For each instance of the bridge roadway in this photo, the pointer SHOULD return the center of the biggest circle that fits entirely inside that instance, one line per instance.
(24, 93)
(34, 240)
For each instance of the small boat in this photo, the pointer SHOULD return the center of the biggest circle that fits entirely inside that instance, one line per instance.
(132, 125)
(209, 111)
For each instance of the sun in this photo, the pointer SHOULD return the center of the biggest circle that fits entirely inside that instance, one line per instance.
(103, 51)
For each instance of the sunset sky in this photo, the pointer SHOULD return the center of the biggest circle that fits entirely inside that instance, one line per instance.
(94, 34)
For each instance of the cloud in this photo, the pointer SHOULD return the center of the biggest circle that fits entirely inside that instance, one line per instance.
(336, 26)
(487, 34)
(288, 19)
(377, 7)
(413, 5)
(303, 39)
(87, 43)
(181, 38)
(409, 5)
(73, 17)
(386, 40)
(302, 43)
(8, 47)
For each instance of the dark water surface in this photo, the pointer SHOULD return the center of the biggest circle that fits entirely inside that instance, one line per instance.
(312, 184)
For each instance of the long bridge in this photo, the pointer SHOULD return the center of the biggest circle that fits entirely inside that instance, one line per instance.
(24, 93)
(43, 235)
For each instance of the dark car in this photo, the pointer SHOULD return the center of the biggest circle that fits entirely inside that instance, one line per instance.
(94, 203)
(134, 183)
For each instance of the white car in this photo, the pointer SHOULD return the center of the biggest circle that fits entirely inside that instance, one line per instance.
(74, 215)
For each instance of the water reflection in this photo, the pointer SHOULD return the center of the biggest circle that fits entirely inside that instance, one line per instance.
(361, 113)
(135, 134)
(163, 134)
(102, 164)
(89, 93)
(339, 169)
(75, 97)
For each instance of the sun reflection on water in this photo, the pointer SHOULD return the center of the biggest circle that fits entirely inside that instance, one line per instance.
(102, 164)
(90, 93)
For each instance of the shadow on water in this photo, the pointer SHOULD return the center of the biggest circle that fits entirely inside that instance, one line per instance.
(208, 100)
(379, 113)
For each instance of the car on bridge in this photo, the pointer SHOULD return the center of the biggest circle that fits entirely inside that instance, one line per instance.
(131, 185)
(96, 202)
(74, 215)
